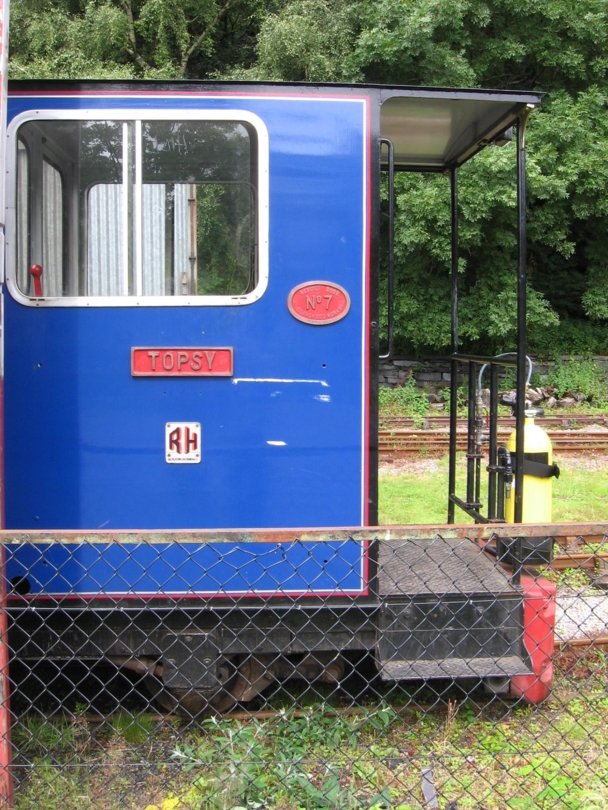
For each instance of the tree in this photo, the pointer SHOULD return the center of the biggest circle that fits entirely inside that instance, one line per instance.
(306, 40)
(555, 46)
(131, 38)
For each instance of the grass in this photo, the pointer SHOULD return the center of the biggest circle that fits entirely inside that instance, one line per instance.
(482, 756)
(419, 495)
(71, 763)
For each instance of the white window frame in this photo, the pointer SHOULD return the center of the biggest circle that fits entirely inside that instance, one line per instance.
(141, 115)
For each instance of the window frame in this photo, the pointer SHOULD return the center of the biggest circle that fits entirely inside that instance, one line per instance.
(260, 174)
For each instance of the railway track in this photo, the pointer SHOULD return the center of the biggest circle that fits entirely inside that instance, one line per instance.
(581, 644)
(442, 421)
(399, 439)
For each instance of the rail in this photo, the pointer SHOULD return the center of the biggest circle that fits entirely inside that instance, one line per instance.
(400, 438)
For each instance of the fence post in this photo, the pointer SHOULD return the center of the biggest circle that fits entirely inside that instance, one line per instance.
(5, 719)
(6, 784)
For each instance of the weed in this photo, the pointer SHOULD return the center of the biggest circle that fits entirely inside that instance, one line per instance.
(51, 787)
(38, 736)
(461, 400)
(287, 758)
(133, 729)
(534, 758)
(405, 400)
(508, 378)
(571, 579)
(580, 376)
(450, 719)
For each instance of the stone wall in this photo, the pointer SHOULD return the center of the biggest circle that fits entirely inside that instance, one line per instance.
(425, 372)
(432, 374)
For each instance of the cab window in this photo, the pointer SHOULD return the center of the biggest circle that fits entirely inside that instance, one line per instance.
(138, 208)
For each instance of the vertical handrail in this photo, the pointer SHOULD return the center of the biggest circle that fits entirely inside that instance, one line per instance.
(453, 444)
(471, 419)
(390, 265)
(478, 432)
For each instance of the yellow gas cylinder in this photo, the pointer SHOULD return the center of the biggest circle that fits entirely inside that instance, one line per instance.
(539, 471)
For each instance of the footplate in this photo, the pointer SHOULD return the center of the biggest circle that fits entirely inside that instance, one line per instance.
(447, 610)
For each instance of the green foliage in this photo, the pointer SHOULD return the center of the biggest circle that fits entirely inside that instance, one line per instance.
(572, 579)
(306, 40)
(569, 204)
(224, 238)
(405, 400)
(552, 46)
(476, 43)
(269, 763)
(38, 736)
(461, 400)
(421, 42)
(487, 265)
(130, 38)
(133, 729)
(576, 337)
(580, 376)
(56, 43)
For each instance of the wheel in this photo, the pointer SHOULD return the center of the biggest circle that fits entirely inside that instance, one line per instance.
(188, 703)
(239, 682)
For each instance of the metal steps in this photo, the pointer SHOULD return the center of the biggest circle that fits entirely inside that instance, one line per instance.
(447, 610)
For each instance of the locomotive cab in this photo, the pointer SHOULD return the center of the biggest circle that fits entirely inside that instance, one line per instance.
(191, 350)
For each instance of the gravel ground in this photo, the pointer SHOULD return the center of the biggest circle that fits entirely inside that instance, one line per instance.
(592, 461)
(581, 615)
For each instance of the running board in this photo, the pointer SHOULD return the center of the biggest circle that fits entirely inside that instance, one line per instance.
(447, 610)
(505, 667)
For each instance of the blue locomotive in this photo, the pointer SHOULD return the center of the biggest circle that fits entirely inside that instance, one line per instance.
(191, 341)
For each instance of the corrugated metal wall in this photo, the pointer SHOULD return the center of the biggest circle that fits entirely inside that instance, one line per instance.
(106, 243)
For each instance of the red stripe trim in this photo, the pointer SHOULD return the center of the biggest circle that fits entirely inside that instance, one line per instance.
(13, 600)
(367, 371)
(184, 94)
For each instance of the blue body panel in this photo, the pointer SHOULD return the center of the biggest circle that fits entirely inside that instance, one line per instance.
(283, 440)
(190, 569)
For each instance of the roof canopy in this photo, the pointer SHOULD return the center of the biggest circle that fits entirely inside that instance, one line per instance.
(434, 130)
(431, 128)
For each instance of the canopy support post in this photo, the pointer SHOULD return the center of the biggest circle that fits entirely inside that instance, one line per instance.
(454, 341)
(521, 312)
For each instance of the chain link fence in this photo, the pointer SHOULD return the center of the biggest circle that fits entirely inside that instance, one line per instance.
(410, 669)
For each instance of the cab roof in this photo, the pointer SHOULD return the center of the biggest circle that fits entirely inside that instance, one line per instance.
(436, 129)
(431, 128)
